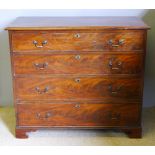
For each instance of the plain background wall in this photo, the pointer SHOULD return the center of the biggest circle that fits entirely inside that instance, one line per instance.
(7, 16)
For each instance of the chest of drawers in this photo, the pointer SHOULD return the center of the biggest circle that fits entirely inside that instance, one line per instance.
(78, 72)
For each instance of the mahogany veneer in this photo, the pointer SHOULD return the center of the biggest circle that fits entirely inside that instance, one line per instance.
(87, 63)
(75, 40)
(89, 88)
(78, 72)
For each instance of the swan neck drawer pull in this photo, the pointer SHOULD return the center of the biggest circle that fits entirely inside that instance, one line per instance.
(45, 116)
(43, 91)
(41, 66)
(114, 116)
(118, 67)
(42, 43)
(120, 42)
(114, 91)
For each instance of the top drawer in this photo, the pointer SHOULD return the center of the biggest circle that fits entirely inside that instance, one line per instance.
(39, 41)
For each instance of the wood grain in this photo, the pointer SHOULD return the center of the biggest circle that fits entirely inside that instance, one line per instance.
(78, 72)
(78, 114)
(70, 88)
(22, 133)
(22, 41)
(70, 23)
(134, 132)
(79, 63)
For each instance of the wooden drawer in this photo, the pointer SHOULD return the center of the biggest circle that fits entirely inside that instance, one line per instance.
(42, 41)
(58, 88)
(79, 63)
(74, 115)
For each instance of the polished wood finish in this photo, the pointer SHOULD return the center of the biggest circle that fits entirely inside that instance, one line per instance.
(134, 132)
(77, 41)
(71, 23)
(79, 63)
(78, 72)
(22, 132)
(91, 88)
(76, 114)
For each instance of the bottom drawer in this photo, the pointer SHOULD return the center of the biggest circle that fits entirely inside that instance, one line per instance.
(74, 115)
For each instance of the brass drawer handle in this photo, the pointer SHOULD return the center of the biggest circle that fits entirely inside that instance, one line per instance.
(77, 35)
(118, 67)
(41, 66)
(39, 46)
(120, 42)
(77, 57)
(45, 116)
(43, 91)
(114, 91)
(113, 116)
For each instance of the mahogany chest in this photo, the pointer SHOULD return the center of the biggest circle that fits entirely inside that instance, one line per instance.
(78, 72)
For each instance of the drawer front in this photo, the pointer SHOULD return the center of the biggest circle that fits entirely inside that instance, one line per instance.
(31, 41)
(78, 64)
(37, 88)
(74, 114)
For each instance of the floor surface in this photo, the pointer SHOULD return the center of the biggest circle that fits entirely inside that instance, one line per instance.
(75, 137)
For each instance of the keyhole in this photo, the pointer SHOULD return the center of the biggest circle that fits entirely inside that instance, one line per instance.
(77, 35)
(77, 106)
(77, 57)
(77, 80)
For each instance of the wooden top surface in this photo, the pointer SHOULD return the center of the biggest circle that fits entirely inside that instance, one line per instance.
(54, 23)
